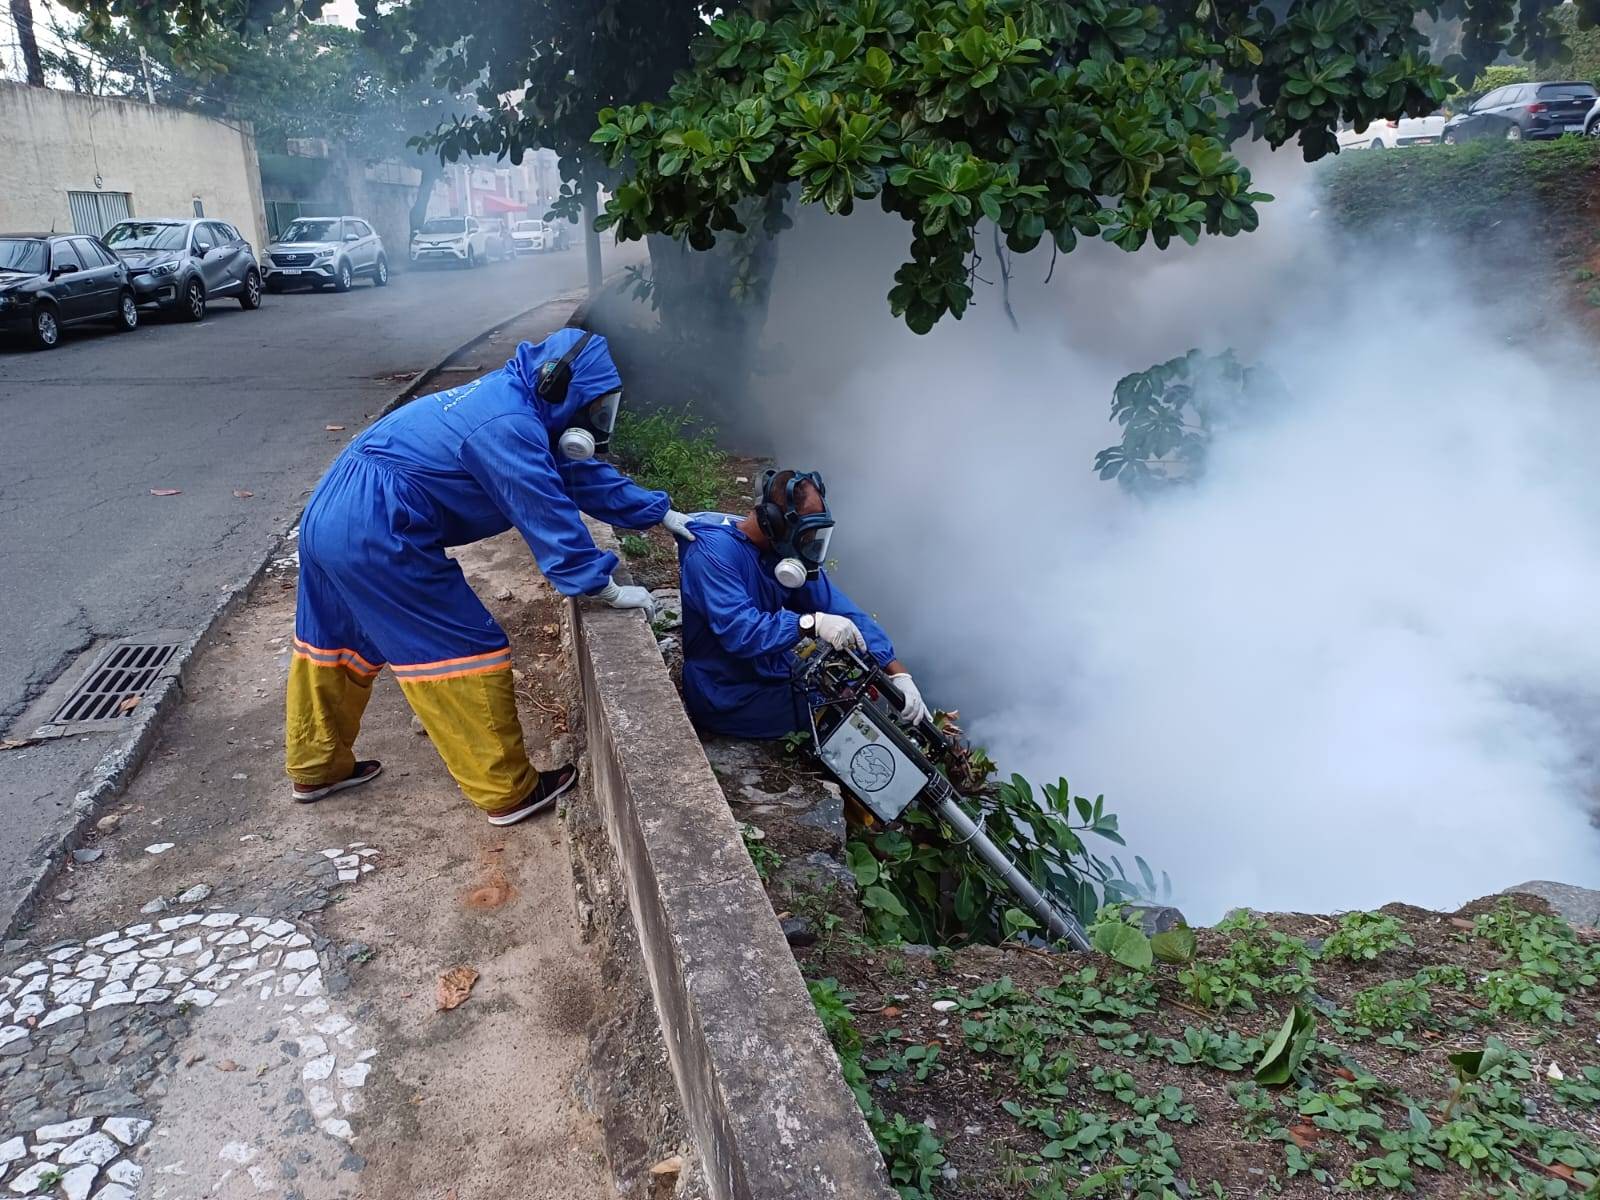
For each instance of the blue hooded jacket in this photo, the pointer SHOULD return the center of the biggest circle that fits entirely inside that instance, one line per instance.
(479, 459)
(740, 627)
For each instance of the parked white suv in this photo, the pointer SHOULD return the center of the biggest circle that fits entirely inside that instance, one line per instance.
(324, 250)
(458, 240)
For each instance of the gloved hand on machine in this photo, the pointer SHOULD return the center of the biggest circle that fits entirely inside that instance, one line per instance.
(755, 589)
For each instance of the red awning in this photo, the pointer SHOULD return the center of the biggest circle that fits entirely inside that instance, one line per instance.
(489, 202)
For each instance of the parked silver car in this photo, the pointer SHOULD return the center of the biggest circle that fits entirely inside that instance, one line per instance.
(324, 250)
(181, 264)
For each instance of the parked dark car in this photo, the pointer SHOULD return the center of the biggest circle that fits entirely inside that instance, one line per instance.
(182, 264)
(49, 281)
(1524, 111)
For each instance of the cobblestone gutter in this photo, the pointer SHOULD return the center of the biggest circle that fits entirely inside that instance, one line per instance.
(759, 1082)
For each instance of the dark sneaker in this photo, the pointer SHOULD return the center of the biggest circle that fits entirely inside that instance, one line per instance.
(551, 787)
(365, 771)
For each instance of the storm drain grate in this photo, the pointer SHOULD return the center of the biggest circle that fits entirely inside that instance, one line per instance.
(112, 688)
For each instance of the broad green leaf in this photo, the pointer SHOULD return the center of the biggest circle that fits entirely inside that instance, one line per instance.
(1176, 945)
(884, 900)
(1124, 944)
(1287, 1048)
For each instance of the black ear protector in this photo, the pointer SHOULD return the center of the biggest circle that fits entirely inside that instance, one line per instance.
(555, 377)
(775, 519)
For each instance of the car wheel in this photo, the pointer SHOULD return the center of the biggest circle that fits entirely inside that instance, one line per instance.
(380, 274)
(1450, 138)
(46, 328)
(1593, 130)
(1376, 144)
(127, 312)
(250, 294)
(194, 301)
(343, 280)
(1513, 133)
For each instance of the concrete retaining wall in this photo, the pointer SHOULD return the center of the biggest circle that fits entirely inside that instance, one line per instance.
(759, 1082)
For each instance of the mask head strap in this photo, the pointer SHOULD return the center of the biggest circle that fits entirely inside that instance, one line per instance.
(555, 377)
(780, 519)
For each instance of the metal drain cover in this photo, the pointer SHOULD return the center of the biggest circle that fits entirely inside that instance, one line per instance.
(119, 677)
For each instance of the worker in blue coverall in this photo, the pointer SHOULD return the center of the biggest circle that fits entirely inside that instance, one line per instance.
(753, 589)
(513, 448)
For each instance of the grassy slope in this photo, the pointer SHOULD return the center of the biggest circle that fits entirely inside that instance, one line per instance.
(1050, 1072)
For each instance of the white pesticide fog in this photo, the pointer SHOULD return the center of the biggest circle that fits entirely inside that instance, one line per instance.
(1357, 663)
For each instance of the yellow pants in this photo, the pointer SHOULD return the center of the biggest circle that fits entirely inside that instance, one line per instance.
(467, 706)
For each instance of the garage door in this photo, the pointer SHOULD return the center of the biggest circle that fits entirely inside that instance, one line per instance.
(96, 212)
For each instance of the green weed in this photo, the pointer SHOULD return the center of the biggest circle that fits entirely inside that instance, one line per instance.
(1362, 936)
(660, 452)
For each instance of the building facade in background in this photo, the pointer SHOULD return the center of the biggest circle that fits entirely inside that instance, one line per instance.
(81, 163)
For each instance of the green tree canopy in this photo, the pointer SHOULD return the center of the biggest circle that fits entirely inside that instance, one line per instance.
(1086, 118)
(1102, 119)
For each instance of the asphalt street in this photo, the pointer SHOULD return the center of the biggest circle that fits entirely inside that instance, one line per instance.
(234, 413)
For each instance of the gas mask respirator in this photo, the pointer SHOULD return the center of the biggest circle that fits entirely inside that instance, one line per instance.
(592, 426)
(799, 540)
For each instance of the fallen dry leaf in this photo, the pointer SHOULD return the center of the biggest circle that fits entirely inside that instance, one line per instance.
(1304, 1135)
(1345, 1073)
(889, 1010)
(334, 428)
(455, 985)
(166, 491)
(1561, 1169)
(129, 703)
(227, 1064)
(17, 743)
(241, 494)
(1461, 922)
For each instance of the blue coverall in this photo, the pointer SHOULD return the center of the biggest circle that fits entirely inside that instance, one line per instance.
(376, 586)
(740, 627)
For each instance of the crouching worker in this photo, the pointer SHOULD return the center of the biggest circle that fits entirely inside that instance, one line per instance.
(753, 589)
(514, 448)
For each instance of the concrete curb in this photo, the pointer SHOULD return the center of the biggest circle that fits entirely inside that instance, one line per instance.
(759, 1081)
(123, 759)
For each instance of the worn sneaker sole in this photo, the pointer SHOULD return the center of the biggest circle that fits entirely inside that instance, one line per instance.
(354, 781)
(533, 809)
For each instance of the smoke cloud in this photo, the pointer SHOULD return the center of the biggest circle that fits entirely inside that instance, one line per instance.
(1357, 663)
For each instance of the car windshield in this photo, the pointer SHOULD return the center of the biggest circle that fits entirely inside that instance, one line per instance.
(312, 231)
(1567, 91)
(443, 225)
(22, 254)
(146, 235)
(527, 227)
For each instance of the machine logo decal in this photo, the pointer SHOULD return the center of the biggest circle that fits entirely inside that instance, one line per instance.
(871, 768)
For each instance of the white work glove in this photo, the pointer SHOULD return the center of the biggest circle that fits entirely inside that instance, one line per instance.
(618, 596)
(914, 711)
(840, 632)
(677, 524)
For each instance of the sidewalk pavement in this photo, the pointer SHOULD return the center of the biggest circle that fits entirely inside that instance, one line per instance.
(238, 996)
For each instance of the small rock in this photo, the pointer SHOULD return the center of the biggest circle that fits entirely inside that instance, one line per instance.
(159, 847)
(199, 892)
(158, 905)
(798, 932)
(944, 1006)
(504, 594)
(108, 823)
(668, 1168)
(67, 897)
(77, 1182)
(93, 854)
